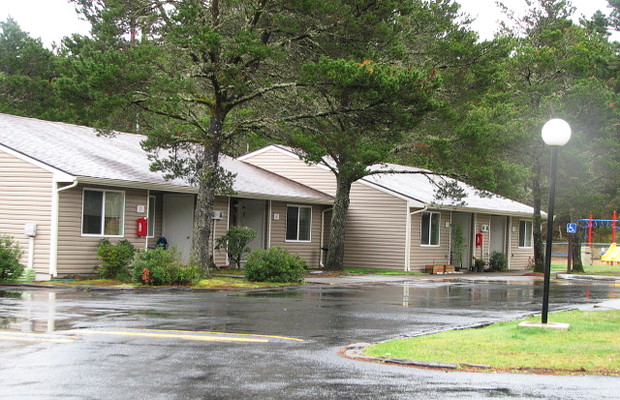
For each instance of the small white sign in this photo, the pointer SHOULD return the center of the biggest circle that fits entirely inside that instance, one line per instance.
(276, 217)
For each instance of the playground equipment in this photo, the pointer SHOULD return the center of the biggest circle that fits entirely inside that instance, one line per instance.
(612, 254)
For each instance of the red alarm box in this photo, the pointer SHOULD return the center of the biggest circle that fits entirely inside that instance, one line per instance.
(143, 225)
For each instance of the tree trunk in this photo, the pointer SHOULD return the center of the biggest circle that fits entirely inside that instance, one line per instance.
(539, 251)
(576, 251)
(335, 255)
(205, 199)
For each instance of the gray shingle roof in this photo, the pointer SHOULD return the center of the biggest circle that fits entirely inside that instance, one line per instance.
(78, 151)
(422, 188)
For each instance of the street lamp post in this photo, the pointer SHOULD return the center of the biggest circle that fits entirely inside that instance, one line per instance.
(555, 133)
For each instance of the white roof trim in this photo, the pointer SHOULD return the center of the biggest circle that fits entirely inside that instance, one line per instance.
(136, 185)
(409, 200)
(265, 149)
(58, 175)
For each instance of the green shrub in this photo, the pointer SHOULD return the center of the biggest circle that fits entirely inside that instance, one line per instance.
(235, 242)
(498, 261)
(274, 265)
(10, 268)
(161, 267)
(115, 259)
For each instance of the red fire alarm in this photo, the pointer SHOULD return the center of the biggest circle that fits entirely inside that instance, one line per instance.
(479, 239)
(142, 229)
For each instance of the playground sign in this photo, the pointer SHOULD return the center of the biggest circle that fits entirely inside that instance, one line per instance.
(571, 228)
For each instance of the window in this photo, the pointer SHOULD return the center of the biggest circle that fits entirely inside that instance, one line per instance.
(430, 229)
(151, 223)
(298, 223)
(525, 233)
(103, 213)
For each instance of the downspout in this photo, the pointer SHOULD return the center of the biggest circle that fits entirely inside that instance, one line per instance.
(323, 235)
(53, 270)
(148, 222)
(408, 236)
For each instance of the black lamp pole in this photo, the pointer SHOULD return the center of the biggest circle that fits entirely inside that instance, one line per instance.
(545, 305)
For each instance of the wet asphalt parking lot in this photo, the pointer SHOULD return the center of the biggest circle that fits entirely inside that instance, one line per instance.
(267, 344)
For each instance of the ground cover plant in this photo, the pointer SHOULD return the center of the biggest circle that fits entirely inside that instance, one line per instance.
(160, 266)
(10, 268)
(604, 270)
(590, 346)
(381, 271)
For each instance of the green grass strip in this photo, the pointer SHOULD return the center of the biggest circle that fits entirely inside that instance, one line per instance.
(590, 346)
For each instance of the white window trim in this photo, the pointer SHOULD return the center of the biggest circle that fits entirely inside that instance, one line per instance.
(531, 239)
(299, 207)
(148, 219)
(122, 234)
(429, 229)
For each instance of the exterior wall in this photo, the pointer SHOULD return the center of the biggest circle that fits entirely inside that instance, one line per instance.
(422, 255)
(519, 257)
(376, 226)
(26, 193)
(309, 251)
(293, 168)
(77, 253)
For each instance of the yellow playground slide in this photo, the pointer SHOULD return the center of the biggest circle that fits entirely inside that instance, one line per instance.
(612, 254)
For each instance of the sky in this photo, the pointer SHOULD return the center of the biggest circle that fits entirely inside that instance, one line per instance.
(51, 20)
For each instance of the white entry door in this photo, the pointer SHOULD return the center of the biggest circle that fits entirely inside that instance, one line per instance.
(178, 221)
(252, 213)
(498, 234)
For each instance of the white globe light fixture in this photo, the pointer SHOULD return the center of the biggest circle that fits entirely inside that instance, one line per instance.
(556, 132)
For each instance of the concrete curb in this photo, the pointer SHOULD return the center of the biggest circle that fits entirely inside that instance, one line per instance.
(356, 352)
(588, 277)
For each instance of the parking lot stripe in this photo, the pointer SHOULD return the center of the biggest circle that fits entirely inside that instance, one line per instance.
(30, 337)
(176, 336)
(218, 333)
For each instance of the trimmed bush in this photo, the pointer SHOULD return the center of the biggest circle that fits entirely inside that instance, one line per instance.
(275, 265)
(498, 262)
(115, 259)
(10, 268)
(235, 242)
(161, 267)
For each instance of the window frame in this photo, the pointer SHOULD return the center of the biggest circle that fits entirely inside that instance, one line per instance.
(430, 231)
(297, 240)
(523, 244)
(103, 215)
(150, 226)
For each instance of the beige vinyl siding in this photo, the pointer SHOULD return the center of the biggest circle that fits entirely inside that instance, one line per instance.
(77, 253)
(26, 197)
(291, 167)
(422, 255)
(519, 256)
(376, 226)
(220, 227)
(309, 251)
(483, 219)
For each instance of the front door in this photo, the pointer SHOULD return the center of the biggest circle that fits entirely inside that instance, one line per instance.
(178, 222)
(497, 239)
(253, 214)
(461, 249)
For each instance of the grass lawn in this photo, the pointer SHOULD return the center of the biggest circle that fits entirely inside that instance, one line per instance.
(607, 270)
(381, 271)
(591, 346)
(216, 282)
